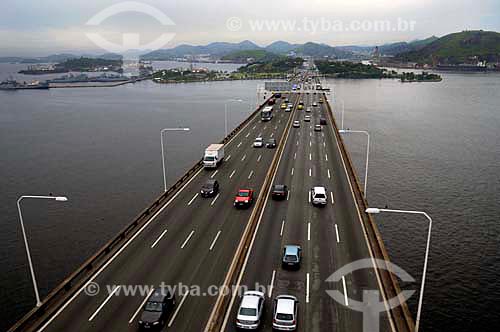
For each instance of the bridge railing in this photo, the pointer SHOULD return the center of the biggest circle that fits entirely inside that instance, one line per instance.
(401, 314)
(76, 280)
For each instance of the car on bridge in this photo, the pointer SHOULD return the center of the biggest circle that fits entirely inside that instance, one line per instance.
(292, 255)
(315, 104)
(156, 309)
(318, 196)
(280, 191)
(258, 143)
(317, 127)
(244, 198)
(210, 188)
(322, 121)
(296, 124)
(250, 310)
(307, 118)
(285, 313)
(271, 143)
(283, 106)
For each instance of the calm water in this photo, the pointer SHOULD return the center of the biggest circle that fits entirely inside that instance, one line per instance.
(434, 147)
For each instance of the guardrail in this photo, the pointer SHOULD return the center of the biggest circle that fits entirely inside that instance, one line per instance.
(70, 285)
(217, 315)
(401, 315)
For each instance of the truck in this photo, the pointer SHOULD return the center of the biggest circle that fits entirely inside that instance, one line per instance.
(214, 154)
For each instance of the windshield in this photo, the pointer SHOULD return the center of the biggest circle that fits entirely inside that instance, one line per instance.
(243, 194)
(153, 306)
(290, 258)
(209, 158)
(248, 312)
(319, 196)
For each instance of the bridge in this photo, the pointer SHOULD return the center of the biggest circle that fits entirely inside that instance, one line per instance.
(183, 238)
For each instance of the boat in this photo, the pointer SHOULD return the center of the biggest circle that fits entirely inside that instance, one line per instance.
(14, 85)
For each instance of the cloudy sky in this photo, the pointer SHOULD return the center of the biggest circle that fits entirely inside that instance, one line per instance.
(37, 28)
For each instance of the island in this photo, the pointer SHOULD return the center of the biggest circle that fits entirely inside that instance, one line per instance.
(76, 65)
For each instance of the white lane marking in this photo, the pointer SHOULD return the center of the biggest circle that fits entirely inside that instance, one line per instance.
(295, 155)
(310, 172)
(192, 199)
(254, 127)
(140, 306)
(213, 174)
(307, 287)
(272, 134)
(279, 121)
(326, 157)
(288, 195)
(247, 135)
(308, 231)
(104, 303)
(310, 156)
(244, 157)
(309, 197)
(337, 233)
(297, 142)
(324, 144)
(93, 277)
(323, 134)
(275, 127)
(177, 311)
(187, 239)
(250, 175)
(282, 227)
(260, 157)
(228, 157)
(310, 143)
(158, 239)
(271, 285)
(331, 196)
(239, 144)
(232, 173)
(345, 292)
(292, 170)
(328, 173)
(260, 135)
(310, 134)
(215, 240)
(215, 199)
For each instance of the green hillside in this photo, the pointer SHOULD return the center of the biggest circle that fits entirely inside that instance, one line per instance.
(455, 48)
(243, 56)
(281, 65)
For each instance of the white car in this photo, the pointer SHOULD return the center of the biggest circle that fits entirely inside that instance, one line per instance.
(285, 313)
(308, 110)
(258, 143)
(318, 196)
(315, 104)
(250, 310)
(307, 118)
(296, 124)
(317, 127)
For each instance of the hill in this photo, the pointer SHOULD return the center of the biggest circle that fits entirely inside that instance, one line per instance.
(245, 56)
(457, 48)
(281, 65)
(400, 47)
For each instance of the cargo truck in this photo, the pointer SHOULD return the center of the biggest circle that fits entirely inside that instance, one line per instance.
(214, 155)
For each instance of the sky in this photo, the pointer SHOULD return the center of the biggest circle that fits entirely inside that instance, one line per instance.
(39, 28)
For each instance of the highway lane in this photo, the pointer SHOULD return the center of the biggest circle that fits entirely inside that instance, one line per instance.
(330, 237)
(175, 246)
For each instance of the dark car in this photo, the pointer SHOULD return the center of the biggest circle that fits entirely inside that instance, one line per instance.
(280, 191)
(271, 102)
(292, 255)
(322, 121)
(244, 198)
(277, 95)
(210, 188)
(271, 143)
(156, 310)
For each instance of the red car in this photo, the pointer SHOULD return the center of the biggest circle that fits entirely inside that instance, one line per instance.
(244, 198)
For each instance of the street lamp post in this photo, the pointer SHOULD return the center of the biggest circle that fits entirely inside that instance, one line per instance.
(163, 153)
(421, 296)
(30, 263)
(225, 112)
(348, 131)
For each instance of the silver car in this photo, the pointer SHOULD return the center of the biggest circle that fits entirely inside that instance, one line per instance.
(285, 313)
(250, 310)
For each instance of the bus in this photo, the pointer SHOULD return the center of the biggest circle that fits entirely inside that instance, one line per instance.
(267, 113)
